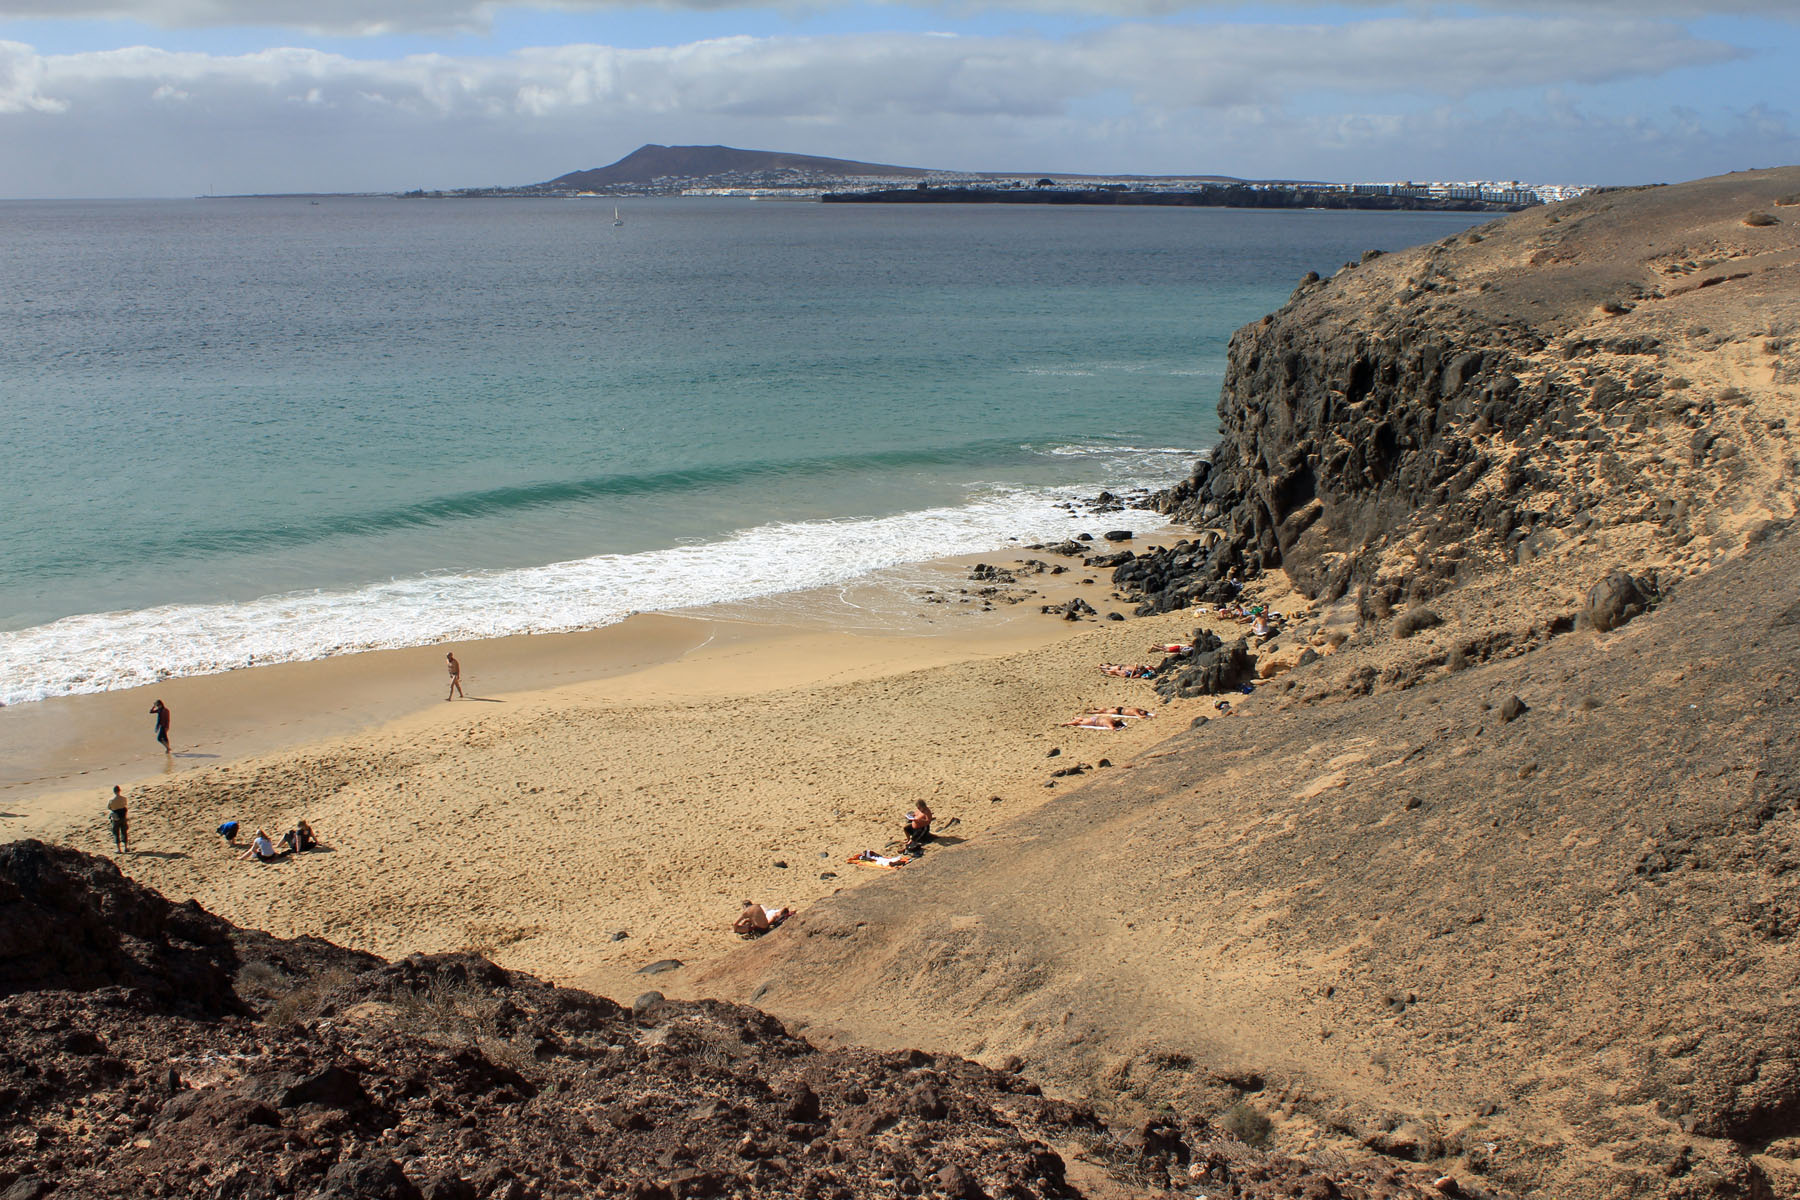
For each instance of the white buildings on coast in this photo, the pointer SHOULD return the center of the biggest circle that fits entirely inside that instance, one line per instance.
(1509, 192)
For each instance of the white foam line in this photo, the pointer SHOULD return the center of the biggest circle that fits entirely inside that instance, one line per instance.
(98, 652)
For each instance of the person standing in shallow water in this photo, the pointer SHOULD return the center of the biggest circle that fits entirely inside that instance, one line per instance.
(115, 811)
(162, 725)
(455, 676)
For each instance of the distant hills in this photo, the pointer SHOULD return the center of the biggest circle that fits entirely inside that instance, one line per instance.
(655, 170)
(649, 163)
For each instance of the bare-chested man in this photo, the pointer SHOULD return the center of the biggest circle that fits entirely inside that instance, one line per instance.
(455, 676)
(757, 919)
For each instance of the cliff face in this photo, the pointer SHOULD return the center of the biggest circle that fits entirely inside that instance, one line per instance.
(1507, 885)
(1420, 417)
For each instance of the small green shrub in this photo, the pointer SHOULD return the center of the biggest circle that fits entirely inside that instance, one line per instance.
(1247, 1125)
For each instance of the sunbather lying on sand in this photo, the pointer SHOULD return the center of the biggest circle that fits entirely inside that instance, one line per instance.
(1121, 710)
(1095, 721)
(1125, 672)
(758, 919)
(880, 860)
(1171, 648)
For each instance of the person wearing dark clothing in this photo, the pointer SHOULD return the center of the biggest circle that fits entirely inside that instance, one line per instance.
(115, 810)
(162, 725)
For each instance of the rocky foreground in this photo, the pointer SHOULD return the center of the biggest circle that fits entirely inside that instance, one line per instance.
(150, 1049)
(1498, 871)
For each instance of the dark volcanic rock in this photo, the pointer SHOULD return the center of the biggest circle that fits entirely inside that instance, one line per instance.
(368, 1179)
(1210, 668)
(71, 921)
(1615, 600)
(444, 1071)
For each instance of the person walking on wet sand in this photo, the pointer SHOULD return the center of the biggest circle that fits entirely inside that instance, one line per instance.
(115, 811)
(455, 676)
(162, 725)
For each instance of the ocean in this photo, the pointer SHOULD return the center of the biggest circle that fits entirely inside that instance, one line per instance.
(277, 429)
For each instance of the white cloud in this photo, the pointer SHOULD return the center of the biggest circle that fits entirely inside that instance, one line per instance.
(1163, 67)
(1177, 98)
(370, 17)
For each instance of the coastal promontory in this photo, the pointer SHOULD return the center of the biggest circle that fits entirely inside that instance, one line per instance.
(1494, 870)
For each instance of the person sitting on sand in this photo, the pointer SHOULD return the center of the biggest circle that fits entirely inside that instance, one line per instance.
(1121, 710)
(1096, 721)
(917, 829)
(263, 850)
(298, 838)
(1261, 629)
(228, 831)
(757, 919)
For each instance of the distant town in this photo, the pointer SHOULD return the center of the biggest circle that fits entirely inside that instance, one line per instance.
(766, 175)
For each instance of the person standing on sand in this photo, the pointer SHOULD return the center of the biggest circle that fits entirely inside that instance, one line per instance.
(115, 811)
(162, 725)
(455, 676)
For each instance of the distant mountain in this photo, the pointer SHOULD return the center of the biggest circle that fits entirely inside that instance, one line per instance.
(651, 162)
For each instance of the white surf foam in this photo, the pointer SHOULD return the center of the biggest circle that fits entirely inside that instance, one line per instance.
(99, 652)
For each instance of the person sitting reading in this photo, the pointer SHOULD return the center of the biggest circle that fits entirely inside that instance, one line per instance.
(756, 919)
(917, 829)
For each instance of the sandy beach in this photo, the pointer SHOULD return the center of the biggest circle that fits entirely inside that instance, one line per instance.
(601, 801)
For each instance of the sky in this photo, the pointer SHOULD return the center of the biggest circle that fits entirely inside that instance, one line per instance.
(103, 98)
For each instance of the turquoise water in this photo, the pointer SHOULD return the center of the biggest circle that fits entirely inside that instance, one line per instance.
(281, 429)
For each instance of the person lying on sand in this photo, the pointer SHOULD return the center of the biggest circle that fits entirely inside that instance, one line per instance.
(263, 850)
(1095, 721)
(880, 860)
(757, 919)
(1131, 672)
(1121, 710)
(1171, 648)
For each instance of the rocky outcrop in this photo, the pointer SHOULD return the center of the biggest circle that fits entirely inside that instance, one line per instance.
(151, 1049)
(1421, 417)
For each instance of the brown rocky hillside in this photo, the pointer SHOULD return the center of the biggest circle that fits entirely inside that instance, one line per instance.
(1496, 870)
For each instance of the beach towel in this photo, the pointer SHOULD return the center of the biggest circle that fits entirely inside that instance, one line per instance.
(881, 862)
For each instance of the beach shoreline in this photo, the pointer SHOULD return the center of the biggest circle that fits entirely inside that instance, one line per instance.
(639, 780)
(59, 744)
